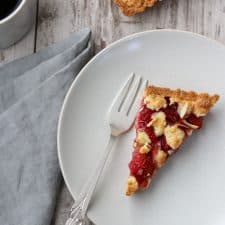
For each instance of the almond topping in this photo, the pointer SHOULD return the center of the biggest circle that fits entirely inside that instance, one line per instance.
(190, 125)
(174, 136)
(142, 138)
(160, 158)
(145, 149)
(132, 185)
(158, 122)
(155, 102)
(184, 108)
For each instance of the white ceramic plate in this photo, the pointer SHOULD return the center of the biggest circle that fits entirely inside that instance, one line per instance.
(190, 189)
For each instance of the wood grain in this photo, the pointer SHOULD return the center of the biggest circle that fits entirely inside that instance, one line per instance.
(22, 48)
(58, 18)
(109, 24)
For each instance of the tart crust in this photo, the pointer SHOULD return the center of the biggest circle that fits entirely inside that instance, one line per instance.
(132, 185)
(202, 101)
(132, 7)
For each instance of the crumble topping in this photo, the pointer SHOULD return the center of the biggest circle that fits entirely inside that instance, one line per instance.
(174, 136)
(158, 122)
(155, 102)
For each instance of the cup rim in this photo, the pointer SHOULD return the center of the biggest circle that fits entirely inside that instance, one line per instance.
(11, 15)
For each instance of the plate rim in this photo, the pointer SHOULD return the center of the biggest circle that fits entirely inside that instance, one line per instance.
(79, 75)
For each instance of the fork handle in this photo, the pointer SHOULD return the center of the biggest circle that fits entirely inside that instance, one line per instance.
(79, 209)
(93, 180)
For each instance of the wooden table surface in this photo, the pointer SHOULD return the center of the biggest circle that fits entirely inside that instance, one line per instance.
(56, 19)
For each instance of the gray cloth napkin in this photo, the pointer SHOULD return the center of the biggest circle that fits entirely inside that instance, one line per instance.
(32, 90)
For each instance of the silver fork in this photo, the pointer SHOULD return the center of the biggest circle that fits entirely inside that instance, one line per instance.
(120, 118)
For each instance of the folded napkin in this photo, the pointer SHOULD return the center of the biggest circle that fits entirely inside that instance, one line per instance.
(32, 90)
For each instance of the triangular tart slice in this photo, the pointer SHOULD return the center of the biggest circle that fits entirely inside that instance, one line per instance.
(165, 120)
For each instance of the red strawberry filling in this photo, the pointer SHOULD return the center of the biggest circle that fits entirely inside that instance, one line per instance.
(143, 117)
(172, 115)
(150, 132)
(164, 145)
(143, 166)
(195, 120)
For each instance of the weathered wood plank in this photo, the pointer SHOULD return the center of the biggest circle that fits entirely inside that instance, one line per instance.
(109, 24)
(55, 21)
(62, 210)
(22, 48)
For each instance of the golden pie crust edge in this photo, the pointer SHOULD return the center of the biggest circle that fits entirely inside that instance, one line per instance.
(132, 7)
(202, 101)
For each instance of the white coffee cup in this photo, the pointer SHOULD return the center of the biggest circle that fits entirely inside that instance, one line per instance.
(18, 23)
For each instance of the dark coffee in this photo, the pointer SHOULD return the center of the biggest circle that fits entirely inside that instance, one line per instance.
(7, 7)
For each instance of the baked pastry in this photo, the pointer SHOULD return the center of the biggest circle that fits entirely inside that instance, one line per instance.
(132, 7)
(165, 119)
